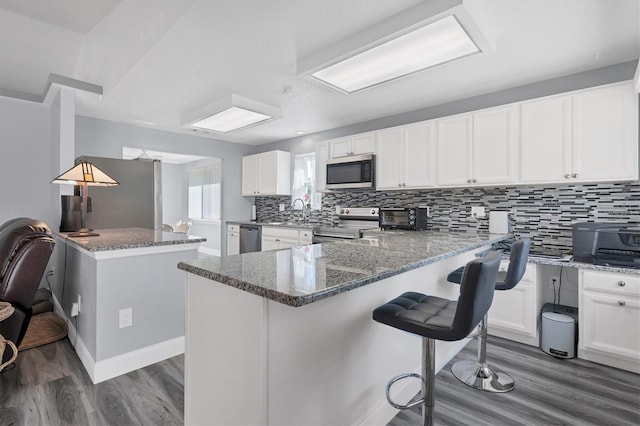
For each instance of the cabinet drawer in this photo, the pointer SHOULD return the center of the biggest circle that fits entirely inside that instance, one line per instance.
(233, 228)
(283, 233)
(611, 282)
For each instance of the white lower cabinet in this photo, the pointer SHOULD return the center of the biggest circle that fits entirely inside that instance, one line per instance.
(275, 238)
(514, 313)
(233, 239)
(609, 319)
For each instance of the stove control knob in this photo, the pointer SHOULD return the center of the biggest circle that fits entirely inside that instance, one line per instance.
(373, 211)
(341, 211)
(346, 211)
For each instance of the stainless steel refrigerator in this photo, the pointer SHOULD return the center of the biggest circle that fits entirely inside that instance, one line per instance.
(135, 203)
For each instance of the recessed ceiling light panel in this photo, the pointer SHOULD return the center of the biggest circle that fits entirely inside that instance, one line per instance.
(230, 119)
(436, 43)
(231, 113)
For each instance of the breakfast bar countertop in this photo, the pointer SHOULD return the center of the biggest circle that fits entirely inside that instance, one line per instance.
(128, 238)
(305, 274)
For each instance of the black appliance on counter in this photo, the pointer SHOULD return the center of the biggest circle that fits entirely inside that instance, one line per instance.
(612, 244)
(410, 218)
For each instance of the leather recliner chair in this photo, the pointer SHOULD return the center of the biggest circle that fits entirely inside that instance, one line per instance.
(25, 248)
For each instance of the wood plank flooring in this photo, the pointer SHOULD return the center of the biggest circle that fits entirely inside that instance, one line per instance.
(49, 386)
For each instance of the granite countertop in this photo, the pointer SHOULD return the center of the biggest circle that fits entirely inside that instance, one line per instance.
(566, 262)
(277, 224)
(305, 274)
(127, 238)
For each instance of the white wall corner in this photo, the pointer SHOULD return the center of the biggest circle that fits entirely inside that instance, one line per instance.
(636, 78)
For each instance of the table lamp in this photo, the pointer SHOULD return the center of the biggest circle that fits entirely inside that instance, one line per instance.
(85, 174)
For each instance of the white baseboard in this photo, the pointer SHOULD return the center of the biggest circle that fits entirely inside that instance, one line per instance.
(130, 361)
(99, 371)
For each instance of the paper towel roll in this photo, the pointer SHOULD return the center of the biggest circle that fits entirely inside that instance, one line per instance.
(499, 222)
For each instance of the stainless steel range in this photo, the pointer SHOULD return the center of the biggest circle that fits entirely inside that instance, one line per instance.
(353, 221)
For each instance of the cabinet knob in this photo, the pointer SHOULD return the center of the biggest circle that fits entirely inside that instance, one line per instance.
(621, 302)
(575, 175)
(567, 176)
(475, 180)
(468, 180)
(621, 283)
(399, 184)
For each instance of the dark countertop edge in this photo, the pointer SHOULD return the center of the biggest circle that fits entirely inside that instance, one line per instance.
(301, 300)
(131, 245)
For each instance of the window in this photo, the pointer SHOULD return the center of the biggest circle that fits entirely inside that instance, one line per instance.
(204, 193)
(304, 181)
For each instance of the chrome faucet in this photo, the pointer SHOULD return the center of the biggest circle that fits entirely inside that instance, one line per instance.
(304, 208)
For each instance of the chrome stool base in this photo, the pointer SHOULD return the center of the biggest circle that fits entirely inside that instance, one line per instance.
(474, 374)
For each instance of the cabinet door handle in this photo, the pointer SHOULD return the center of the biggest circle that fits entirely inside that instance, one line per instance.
(567, 176)
(621, 302)
(575, 175)
(621, 283)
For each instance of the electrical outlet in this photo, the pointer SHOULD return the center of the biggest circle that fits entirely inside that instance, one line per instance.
(282, 207)
(554, 280)
(79, 300)
(126, 317)
(75, 310)
(477, 211)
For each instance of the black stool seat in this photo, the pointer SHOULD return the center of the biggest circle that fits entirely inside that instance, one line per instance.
(435, 318)
(427, 316)
(478, 374)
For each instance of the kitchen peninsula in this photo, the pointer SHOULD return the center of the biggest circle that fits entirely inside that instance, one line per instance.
(286, 336)
(129, 293)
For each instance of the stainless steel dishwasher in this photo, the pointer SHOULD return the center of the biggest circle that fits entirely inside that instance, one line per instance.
(250, 238)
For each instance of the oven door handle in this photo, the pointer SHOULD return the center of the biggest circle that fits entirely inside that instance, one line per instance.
(341, 236)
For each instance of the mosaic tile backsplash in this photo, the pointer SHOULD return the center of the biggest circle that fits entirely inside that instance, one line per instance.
(544, 213)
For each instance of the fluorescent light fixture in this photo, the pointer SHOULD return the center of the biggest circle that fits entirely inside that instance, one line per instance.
(439, 42)
(232, 113)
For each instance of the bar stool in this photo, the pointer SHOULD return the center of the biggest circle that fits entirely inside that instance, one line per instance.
(435, 318)
(478, 374)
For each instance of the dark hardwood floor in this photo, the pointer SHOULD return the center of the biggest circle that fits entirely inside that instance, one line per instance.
(49, 386)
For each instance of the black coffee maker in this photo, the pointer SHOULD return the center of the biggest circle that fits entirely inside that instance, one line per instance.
(71, 218)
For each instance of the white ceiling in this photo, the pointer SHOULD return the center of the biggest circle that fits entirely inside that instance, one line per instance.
(159, 60)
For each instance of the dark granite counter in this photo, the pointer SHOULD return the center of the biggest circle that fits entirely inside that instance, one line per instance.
(127, 238)
(305, 274)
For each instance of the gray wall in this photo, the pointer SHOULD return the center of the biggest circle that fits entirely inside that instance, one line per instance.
(25, 165)
(174, 193)
(106, 139)
(597, 77)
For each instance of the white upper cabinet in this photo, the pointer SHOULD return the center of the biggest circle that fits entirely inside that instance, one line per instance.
(545, 139)
(405, 157)
(268, 173)
(605, 134)
(478, 149)
(495, 144)
(587, 136)
(389, 159)
(352, 145)
(454, 150)
(322, 155)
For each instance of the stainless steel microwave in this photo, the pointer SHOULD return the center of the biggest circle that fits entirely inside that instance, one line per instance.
(354, 172)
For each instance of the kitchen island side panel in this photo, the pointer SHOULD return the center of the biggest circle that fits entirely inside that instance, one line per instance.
(250, 360)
